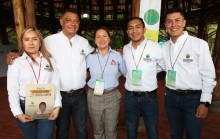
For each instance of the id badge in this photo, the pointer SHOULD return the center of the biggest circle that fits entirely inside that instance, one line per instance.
(171, 78)
(137, 77)
(99, 87)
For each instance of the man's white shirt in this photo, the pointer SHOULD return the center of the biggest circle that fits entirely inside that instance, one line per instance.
(152, 57)
(194, 66)
(70, 60)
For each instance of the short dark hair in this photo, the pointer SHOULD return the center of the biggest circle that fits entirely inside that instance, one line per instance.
(94, 35)
(134, 18)
(42, 103)
(174, 10)
(71, 11)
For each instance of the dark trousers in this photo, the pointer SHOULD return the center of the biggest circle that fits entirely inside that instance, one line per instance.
(76, 108)
(145, 105)
(181, 111)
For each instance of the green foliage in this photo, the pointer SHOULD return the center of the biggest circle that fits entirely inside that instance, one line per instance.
(116, 38)
(89, 36)
(212, 29)
(120, 16)
(45, 33)
(163, 35)
(12, 38)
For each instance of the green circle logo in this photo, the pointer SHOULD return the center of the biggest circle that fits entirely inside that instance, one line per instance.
(187, 56)
(151, 17)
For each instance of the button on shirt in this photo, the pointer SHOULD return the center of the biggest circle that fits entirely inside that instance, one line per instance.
(194, 67)
(20, 73)
(110, 76)
(152, 57)
(70, 60)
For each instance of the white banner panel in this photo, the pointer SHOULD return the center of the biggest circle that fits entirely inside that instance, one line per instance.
(150, 13)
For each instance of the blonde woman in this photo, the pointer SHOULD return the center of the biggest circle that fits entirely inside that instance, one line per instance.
(36, 67)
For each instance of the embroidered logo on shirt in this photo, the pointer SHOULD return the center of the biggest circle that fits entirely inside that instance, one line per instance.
(147, 56)
(147, 59)
(187, 56)
(82, 52)
(187, 59)
(47, 68)
(113, 62)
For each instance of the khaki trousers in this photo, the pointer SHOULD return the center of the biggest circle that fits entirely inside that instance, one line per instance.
(104, 111)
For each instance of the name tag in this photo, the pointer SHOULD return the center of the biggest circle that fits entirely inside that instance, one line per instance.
(171, 78)
(99, 87)
(137, 77)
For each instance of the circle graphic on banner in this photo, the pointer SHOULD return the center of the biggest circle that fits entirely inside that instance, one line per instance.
(151, 17)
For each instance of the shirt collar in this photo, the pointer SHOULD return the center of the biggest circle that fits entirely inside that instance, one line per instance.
(142, 44)
(65, 38)
(110, 50)
(24, 55)
(181, 39)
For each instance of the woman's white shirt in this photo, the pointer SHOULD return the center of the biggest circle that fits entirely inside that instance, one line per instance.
(20, 73)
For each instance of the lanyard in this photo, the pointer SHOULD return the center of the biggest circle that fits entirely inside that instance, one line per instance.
(101, 65)
(37, 79)
(178, 54)
(140, 57)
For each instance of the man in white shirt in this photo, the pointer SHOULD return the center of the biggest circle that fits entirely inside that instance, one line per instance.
(142, 57)
(190, 78)
(69, 51)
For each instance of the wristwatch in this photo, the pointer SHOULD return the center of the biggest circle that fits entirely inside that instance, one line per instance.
(205, 103)
(16, 116)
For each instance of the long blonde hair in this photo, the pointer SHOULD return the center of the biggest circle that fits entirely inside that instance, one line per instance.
(42, 48)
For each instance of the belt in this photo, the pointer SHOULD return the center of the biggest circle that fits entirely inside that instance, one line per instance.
(22, 98)
(142, 93)
(71, 92)
(106, 91)
(184, 92)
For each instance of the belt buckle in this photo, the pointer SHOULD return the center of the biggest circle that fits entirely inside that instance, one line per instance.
(137, 93)
(69, 92)
(72, 92)
(22, 98)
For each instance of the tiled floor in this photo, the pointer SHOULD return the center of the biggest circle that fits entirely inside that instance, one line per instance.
(10, 130)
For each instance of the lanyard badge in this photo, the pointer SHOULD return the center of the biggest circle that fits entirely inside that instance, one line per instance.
(137, 77)
(171, 78)
(137, 74)
(99, 87)
(171, 75)
(100, 84)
